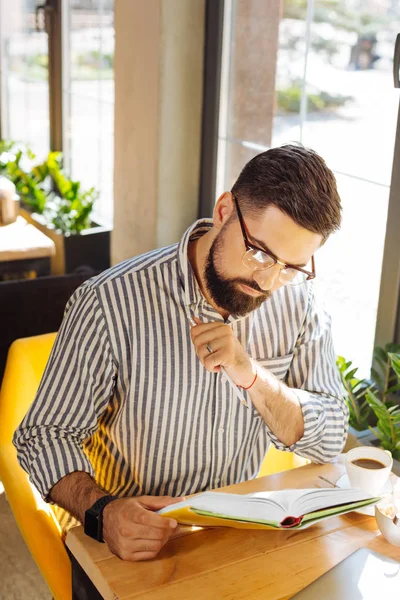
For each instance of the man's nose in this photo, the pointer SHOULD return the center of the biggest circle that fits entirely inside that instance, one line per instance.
(267, 278)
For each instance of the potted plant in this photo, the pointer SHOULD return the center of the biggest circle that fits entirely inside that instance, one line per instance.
(361, 416)
(16, 164)
(59, 207)
(374, 404)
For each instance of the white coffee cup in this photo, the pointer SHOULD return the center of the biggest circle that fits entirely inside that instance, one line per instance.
(371, 481)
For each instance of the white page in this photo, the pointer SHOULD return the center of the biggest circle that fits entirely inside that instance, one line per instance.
(269, 505)
(247, 506)
(252, 506)
(323, 498)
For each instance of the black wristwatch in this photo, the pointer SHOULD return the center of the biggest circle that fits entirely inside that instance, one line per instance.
(94, 518)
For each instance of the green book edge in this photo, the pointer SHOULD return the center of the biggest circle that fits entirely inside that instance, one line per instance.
(307, 519)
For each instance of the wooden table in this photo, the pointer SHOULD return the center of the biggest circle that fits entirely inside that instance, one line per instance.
(235, 564)
(25, 251)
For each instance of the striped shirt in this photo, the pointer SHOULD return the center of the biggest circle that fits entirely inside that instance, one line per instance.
(125, 398)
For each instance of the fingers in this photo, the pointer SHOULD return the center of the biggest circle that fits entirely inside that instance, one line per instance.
(138, 556)
(214, 345)
(133, 531)
(213, 362)
(149, 519)
(142, 549)
(157, 502)
(207, 328)
(146, 545)
(150, 533)
(213, 335)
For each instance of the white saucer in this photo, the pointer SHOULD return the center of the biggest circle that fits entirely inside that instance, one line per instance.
(344, 483)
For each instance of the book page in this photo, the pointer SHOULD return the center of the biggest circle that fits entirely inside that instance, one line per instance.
(312, 500)
(210, 499)
(272, 507)
(261, 506)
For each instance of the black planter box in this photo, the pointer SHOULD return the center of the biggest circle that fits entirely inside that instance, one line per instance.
(90, 249)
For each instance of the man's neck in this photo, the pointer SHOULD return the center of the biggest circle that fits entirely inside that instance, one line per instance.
(198, 251)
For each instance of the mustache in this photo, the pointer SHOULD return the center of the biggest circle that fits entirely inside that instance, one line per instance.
(253, 286)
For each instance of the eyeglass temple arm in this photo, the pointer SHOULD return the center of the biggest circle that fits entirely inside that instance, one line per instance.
(313, 274)
(240, 219)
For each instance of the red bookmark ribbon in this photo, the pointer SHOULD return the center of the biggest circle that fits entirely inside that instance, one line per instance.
(288, 522)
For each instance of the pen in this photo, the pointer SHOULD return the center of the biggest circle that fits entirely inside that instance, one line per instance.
(231, 382)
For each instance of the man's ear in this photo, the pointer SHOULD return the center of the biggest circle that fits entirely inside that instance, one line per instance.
(223, 210)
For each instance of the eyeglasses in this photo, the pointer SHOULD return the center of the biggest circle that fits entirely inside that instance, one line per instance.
(258, 259)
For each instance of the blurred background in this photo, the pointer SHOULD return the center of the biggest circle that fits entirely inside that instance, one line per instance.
(122, 122)
(318, 71)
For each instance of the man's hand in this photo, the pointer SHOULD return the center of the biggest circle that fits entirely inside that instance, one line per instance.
(130, 527)
(217, 346)
(132, 531)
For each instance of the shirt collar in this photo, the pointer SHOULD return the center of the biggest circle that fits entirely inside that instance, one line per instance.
(189, 283)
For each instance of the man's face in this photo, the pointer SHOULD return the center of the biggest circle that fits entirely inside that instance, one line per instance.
(233, 286)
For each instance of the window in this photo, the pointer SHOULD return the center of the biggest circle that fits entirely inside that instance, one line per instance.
(24, 76)
(87, 108)
(320, 73)
(88, 97)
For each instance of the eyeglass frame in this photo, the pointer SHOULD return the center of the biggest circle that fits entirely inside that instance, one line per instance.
(249, 246)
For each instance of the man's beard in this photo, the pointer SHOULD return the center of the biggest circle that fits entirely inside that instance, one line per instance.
(225, 292)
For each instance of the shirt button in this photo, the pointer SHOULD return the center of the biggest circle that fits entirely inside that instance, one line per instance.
(217, 479)
(223, 378)
(221, 430)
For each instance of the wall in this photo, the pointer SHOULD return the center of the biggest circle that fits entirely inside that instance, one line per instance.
(158, 111)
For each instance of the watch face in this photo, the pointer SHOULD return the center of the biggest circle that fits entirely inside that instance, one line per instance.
(93, 525)
(94, 518)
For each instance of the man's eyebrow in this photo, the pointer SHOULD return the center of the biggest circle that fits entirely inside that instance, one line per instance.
(264, 247)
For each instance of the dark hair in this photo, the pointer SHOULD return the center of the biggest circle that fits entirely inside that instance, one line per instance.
(297, 181)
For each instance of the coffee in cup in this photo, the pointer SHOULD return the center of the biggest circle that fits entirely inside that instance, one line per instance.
(368, 468)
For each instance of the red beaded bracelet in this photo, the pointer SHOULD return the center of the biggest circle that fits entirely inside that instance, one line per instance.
(252, 383)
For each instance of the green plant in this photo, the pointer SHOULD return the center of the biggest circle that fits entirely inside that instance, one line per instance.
(289, 99)
(387, 429)
(45, 189)
(69, 208)
(16, 164)
(384, 372)
(360, 412)
(384, 383)
(374, 403)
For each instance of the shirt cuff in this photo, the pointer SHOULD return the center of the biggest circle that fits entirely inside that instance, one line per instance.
(56, 460)
(314, 423)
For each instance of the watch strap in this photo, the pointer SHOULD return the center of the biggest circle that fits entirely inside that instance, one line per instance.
(93, 525)
(101, 503)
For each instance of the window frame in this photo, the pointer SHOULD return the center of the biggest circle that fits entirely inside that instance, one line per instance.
(387, 327)
(54, 28)
(54, 20)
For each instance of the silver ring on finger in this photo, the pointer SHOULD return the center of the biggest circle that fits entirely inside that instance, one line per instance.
(208, 346)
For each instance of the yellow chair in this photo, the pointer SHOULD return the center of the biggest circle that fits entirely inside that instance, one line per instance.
(26, 361)
(276, 461)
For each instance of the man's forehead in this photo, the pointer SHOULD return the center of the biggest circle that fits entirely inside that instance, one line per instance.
(275, 231)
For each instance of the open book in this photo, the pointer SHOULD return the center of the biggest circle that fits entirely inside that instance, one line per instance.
(282, 509)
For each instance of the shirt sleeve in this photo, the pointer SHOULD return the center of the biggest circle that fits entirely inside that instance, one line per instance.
(74, 392)
(314, 378)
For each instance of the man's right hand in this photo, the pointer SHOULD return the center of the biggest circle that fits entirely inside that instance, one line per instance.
(131, 528)
(133, 531)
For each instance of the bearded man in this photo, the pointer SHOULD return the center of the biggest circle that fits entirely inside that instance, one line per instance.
(135, 411)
